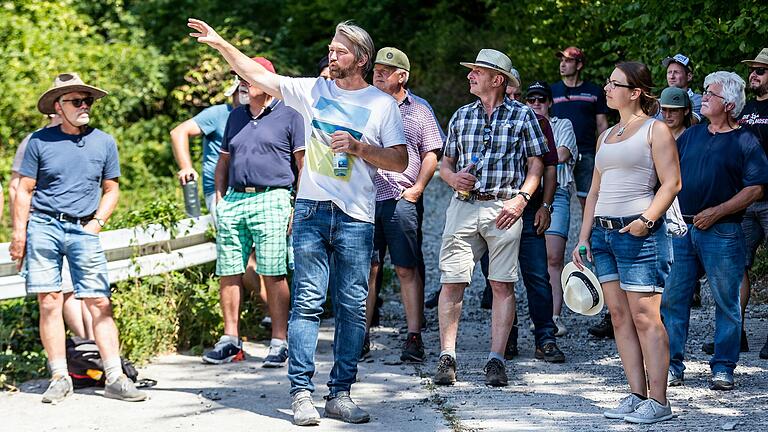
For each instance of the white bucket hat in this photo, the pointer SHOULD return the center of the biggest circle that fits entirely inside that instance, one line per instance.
(582, 292)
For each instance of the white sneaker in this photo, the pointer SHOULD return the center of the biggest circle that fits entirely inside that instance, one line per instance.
(626, 406)
(304, 411)
(561, 329)
(649, 411)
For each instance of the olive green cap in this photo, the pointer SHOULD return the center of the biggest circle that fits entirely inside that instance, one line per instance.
(673, 97)
(389, 56)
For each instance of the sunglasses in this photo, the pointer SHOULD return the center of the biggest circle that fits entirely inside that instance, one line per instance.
(77, 103)
(534, 99)
(759, 71)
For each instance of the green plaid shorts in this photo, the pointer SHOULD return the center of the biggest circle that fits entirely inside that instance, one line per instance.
(258, 220)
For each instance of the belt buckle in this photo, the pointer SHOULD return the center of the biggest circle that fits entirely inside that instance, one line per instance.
(606, 223)
(61, 217)
(250, 189)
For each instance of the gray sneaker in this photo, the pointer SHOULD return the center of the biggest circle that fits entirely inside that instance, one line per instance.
(721, 381)
(276, 357)
(342, 407)
(304, 411)
(626, 406)
(125, 390)
(59, 388)
(674, 380)
(649, 411)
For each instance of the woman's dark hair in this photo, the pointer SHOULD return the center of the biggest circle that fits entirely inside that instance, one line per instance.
(638, 76)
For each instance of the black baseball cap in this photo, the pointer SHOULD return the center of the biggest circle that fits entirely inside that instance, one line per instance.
(539, 88)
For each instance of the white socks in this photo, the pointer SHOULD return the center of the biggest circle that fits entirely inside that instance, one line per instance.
(58, 367)
(113, 368)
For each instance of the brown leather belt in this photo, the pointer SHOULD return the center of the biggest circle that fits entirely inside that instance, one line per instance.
(485, 197)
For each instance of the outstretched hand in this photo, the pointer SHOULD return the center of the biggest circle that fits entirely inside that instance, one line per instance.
(204, 33)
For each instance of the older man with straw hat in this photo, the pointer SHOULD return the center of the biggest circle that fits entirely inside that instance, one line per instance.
(68, 190)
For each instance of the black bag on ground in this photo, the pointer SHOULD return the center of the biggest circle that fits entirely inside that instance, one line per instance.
(85, 366)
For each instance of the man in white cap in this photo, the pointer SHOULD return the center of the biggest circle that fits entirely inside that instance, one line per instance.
(680, 74)
(68, 190)
(493, 159)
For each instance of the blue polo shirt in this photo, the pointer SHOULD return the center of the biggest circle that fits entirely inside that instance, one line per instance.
(261, 148)
(69, 169)
(715, 167)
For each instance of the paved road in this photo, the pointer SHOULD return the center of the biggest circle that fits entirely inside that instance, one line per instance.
(194, 397)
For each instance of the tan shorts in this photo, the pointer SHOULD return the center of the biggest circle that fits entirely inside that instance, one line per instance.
(470, 231)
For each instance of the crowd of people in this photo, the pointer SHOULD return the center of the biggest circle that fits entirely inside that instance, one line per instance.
(326, 175)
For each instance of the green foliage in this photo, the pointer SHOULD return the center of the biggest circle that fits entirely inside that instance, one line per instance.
(21, 355)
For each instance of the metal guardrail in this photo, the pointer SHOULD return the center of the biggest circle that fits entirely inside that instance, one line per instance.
(133, 252)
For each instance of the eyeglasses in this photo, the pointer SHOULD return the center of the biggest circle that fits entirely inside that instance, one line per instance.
(613, 84)
(707, 94)
(759, 71)
(534, 99)
(77, 103)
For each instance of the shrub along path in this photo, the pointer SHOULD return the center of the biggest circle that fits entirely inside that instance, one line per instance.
(191, 396)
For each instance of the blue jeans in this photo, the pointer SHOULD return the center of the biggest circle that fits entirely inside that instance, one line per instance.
(324, 235)
(533, 266)
(720, 253)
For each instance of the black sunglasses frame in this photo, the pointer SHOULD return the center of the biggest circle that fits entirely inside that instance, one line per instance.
(77, 103)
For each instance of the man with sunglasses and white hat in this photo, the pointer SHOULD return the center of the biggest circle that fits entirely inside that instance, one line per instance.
(493, 159)
(754, 117)
(68, 190)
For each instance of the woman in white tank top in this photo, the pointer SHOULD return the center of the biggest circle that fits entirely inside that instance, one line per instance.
(625, 237)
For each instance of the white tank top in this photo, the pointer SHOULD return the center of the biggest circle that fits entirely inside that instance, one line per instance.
(627, 175)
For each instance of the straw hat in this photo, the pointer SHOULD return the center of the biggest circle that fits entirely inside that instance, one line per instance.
(582, 292)
(496, 60)
(65, 83)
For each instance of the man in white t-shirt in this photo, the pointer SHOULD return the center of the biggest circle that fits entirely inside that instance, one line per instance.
(334, 212)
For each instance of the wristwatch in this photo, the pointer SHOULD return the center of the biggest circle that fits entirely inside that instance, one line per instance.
(547, 206)
(526, 196)
(101, 222)
(648, 223)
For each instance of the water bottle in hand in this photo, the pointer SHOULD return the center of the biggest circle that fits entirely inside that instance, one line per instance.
(471, 170)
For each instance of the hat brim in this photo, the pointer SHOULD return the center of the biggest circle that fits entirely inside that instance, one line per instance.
(386, 63)
(672, 106)
(755, 62)
(668, 61)
(538, 92)
(511, 77)
(571, 268)
(46, 102)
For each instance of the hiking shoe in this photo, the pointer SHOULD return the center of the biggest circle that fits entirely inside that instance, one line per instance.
(266, 322)
(276, 357)
(413, 350)
(510, 351)
(764, 351)
(674, 380)
(225, 351)
(433, 300)
(560, 329)
(603, 329)
(366, 351)
(304, 411)
(721, 381)
(709, 347)
(125, 390)
(550, 353)
(446, 371)
(495, 373)
(649, 411)
(626, 406)
(342, 407)
(59, 388)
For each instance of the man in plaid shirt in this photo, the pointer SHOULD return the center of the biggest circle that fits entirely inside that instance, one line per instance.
(397, 194)
(505, 139)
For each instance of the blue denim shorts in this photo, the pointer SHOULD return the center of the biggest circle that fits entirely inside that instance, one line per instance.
(582, 173)
(640, 264)
(396, 228)
(48, 242)
(755, 226)
(561, 213)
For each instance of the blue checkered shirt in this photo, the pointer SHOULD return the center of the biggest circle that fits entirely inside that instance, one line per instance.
(515, 136)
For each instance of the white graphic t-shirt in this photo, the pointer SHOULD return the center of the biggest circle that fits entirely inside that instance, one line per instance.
(369, 115)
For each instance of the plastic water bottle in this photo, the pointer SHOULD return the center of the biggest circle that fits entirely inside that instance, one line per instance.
(471, 170)
(340, 164)
(583, 256)
(191, 199)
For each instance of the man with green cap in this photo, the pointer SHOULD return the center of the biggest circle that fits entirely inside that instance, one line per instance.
(397, 222)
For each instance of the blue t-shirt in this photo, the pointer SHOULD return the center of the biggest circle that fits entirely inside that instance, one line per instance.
(580, 105)
(211, 121)
(69, 169)
(715, 167)
(261, 149)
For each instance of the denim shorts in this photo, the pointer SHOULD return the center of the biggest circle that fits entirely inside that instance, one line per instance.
(395, 229)
(48, 242)
(561, 213)
(640, 264)
(582, 173)
(755, 226)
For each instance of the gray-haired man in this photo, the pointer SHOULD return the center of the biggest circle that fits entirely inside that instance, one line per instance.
(355, 129)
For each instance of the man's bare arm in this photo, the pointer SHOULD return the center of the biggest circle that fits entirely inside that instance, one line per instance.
(180, 145)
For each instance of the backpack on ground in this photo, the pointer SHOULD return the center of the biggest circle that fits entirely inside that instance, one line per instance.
(85, 366)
